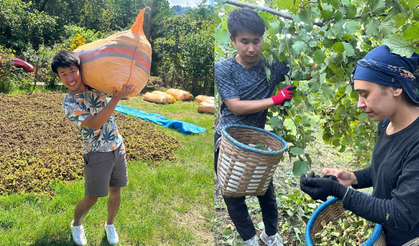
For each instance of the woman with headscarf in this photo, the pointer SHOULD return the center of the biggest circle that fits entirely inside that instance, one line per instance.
(387, 87)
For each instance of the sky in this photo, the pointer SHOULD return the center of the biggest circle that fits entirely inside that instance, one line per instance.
(188, 3)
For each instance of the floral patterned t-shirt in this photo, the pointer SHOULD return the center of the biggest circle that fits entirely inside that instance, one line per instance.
(78, 106)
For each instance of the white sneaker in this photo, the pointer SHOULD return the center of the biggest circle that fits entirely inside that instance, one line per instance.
(78, 234)
(274, 240)
(111, 234)
(254, 241)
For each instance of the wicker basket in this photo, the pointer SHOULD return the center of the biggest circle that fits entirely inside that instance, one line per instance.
(243, 169)
(332, 210)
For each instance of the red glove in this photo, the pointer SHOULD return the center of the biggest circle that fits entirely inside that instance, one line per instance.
(283, 95)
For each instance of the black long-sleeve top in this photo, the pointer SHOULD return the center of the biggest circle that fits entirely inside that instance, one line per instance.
(394, 176)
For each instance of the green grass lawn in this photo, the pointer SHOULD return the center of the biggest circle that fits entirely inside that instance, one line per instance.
(166, 203)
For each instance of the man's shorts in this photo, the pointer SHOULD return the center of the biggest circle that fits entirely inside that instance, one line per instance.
(103, 170)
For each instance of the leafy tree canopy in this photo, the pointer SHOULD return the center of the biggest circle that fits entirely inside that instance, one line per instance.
(185, 49)
(334, 35)
(22, 26)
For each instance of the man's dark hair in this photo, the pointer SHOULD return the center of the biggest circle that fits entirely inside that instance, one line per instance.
(65, 59)
(245, 19)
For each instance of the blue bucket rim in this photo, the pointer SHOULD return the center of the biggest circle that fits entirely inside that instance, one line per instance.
(249, 148)
(370, 242)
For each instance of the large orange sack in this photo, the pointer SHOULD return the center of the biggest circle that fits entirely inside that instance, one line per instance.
(123, 58)
(158, 98)
(172, 99)
(206, 107)
(180, 95)
(202, 98)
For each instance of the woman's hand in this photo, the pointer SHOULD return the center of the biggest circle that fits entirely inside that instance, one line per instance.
(346, 178)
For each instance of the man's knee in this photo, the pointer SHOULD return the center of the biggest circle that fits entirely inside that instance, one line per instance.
(90, 200)
(114, 191)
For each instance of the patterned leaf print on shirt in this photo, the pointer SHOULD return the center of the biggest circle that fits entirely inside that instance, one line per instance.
(88, 133)
(107, 134)
(78, 106)
(96, 103)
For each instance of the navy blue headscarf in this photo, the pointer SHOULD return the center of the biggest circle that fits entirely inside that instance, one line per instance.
(383, 67)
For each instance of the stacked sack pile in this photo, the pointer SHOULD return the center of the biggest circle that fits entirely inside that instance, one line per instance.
(170, 96)
(206, 104)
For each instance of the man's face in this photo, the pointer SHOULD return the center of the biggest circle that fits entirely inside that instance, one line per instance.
(378, 103)
(248, 46)
(70, 77)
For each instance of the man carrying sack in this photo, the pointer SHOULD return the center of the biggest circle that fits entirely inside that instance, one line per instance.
(105, 169)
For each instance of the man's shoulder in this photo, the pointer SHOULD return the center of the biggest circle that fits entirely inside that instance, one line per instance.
(68, 98)
(93, 94)
(93, 90)
(223, 68)
(69, 103)
(224, 63)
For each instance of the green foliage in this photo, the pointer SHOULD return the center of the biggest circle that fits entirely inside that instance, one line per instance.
(294, 210)
(104, 15)
(294, 207)
(98, 15)
(158, 206)
(21, 24)
(349, 229)
(333, 35)
(223, 47)
(12, 79)
(185, 44)
(199, 59)
(37, 125)
(6, 72)
(41, 59)
(170, 46)
(75, 36)
(182, 47)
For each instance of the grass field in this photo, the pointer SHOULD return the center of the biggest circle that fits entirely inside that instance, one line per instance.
(165, 203)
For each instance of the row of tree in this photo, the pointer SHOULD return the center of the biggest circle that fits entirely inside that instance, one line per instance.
(31, 28)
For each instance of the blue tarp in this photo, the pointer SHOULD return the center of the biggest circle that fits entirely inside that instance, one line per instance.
(183, 127)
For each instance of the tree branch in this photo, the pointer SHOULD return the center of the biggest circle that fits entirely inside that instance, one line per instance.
(266, 9)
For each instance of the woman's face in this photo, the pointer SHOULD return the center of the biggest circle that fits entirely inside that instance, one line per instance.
(377, 102)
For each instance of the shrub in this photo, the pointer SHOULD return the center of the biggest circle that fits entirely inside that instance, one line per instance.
(6, 72)
(75, 36)
(12, 78)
